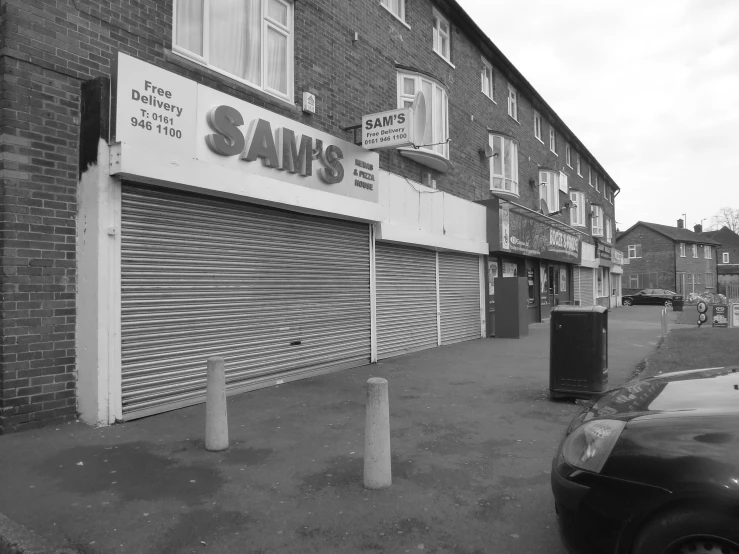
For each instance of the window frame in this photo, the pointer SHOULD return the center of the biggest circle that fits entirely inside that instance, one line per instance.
(486, 65)
(552, 140)
(437, 43)
(578, 163)
(512, 102)
(682, 250)
(637, 251)
(568, 154)
(608, 229)
(695, 250)
(724, 257)
(506, 142)
(537, 126)
(711, 285)
(590, 176)
(597, 184)
(436, 86)
(288, 31)
(707, 254)
(401, 4)
(549, 189)
(577, 199)
(596, 224)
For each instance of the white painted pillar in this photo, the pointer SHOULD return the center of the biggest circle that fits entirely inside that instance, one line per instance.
(377, 470)
(216, 414)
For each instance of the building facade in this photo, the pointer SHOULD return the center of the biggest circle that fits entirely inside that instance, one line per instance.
(673, 258)
(183, 180)
(727, 261)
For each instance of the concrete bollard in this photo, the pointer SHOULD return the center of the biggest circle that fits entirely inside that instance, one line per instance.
(377, 472)
(216, 416)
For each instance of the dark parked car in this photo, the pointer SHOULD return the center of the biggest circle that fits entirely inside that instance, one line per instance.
(653, 468)
(663, 297)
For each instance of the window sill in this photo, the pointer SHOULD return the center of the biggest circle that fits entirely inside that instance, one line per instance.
(384, 7)
(445, 59)
(505, 193)
(514, 119)
(537, 138)
(553, 152)
(428, 158)
(189, 64)
(489, 98)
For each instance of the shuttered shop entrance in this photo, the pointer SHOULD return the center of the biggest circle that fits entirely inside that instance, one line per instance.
(585, 285)
(278, 294)
(406, 299)
(459, 295)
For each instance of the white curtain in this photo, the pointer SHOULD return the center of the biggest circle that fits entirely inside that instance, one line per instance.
(276, 60)
(190, 26)
(235, 37)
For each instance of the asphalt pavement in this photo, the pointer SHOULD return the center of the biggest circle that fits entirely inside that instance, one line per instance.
(473, 432)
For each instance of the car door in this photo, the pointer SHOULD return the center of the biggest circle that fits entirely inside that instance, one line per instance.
(641, 297)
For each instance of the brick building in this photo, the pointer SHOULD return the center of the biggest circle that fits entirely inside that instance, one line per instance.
(674, 258)
(727, 261)
(142, 142)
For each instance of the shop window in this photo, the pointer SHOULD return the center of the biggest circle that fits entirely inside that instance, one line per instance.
(597, 221)
(682, 249)
(504, 165)
(634, 250)
(512, 102)
(577, 209)
(395, 7)
(707, 252)
(441, 36)
(488, 82)
(250, 40)
(725, 257)
(437, 124)
(537, 125)
(549, 190)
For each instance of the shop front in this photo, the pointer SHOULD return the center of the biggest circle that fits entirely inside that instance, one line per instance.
(604, 290)
(525, 243)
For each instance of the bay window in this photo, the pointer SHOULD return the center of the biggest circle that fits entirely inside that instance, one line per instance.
(549, 189)
(504, 165)
(577, 210)
(597, 222)
(250, 40)
(437, 124)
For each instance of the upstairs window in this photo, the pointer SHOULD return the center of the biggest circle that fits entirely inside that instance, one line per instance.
(608, 230)
(577, 163)
(441, 36)
(437, 112)
(568, 155)
(552, 140)
(249, 40)
(634, 250)
(695, 250)
(590, 176)
(597, 186)
(549, 190)
(395, 7)
(488, 84)
(597, 222)
(504, 165)
(682, 249)
(512, 102)
(707, 252)
(577, 209)
(725, 257)
(537, 125)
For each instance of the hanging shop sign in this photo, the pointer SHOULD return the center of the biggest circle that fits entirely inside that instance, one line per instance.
(604, 254)
(525, 235)
(395, 128)
(201, 129)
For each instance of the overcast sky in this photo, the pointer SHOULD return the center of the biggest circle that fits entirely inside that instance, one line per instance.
(651, 87)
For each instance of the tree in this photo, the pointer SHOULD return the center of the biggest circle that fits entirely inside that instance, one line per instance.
(728, 217)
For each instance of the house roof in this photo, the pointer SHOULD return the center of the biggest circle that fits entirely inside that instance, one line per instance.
(674, 233)
(727, 237)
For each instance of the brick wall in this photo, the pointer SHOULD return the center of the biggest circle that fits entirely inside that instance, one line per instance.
(658, 259)
(699, 266)
(49, 47)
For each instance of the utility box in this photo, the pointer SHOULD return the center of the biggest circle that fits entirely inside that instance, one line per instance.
(511, 303)
(677, 303)
(578, 351)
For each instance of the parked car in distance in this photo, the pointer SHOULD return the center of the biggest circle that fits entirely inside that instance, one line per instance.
(653, 467)
(663, 297)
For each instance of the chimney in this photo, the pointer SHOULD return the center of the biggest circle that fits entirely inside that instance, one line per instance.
(680, 224)
(698, 228)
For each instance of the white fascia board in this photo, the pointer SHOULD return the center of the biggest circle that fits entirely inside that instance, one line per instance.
(413, 237)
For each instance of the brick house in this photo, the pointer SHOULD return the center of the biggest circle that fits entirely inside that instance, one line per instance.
(727, 261)
(674, 258)
(129, 184)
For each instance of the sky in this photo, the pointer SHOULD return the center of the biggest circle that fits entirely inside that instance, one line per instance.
(650, 87)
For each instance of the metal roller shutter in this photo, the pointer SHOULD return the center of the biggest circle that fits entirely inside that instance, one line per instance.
(587, 298)
(406, 299)
(459, 294)
(277, 294)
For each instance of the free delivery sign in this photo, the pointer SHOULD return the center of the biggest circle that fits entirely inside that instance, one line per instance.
(395, 128)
